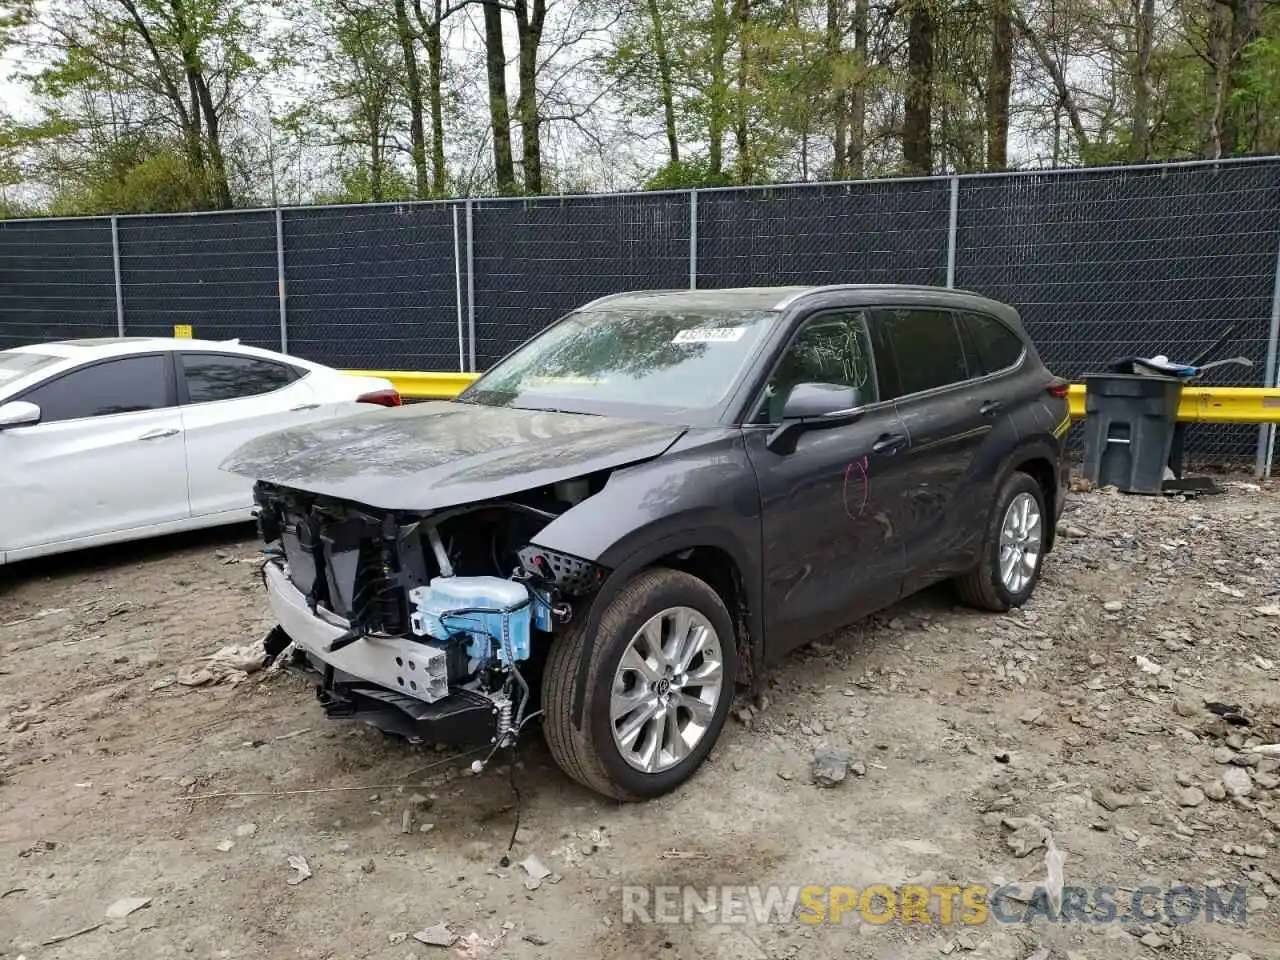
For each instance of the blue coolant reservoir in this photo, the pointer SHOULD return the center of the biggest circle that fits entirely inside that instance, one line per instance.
(484, 598)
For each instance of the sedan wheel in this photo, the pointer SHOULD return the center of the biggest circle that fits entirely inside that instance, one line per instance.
(666, 689)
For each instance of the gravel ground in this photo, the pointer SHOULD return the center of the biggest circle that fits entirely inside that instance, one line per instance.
(1082, 718)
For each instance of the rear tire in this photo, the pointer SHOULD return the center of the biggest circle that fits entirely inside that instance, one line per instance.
(648, 722)
(1013, 548)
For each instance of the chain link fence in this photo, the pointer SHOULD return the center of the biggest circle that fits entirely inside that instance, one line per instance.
(1103, 263)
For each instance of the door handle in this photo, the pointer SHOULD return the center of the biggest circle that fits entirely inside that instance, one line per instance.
(888, 443)
(304, 406)
(990, 408)
(159, 434)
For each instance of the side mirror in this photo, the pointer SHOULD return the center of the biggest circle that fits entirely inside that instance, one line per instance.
(814, 406)
(18, 413)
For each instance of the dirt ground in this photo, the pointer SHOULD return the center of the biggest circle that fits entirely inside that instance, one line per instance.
(960, 724)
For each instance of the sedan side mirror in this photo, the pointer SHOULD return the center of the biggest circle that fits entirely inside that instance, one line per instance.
(18, 413)
(814, 406)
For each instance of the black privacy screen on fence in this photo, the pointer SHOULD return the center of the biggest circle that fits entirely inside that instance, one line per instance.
(57, 281)
(535, 260)
(214, 273)
(1102, 264)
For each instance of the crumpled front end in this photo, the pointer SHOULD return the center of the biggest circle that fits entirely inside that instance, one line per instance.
(430, 625)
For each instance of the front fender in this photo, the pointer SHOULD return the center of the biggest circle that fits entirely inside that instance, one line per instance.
(703, 495)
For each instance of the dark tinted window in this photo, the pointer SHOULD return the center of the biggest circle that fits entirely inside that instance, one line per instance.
(222, 377)
(832, 348)
(917, 350)
(126, 385)
(989, 344)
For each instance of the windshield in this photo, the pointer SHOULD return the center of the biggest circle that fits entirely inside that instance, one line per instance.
(613, 361)
(19, 363)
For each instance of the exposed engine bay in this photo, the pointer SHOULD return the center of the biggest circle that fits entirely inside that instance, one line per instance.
(434, 619)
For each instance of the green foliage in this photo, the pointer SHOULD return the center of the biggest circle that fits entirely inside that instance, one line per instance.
(134, 176)
(688, 174)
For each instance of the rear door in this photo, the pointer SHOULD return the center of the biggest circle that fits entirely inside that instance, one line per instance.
(107, 455)
(831, 549)
(946, 415)
(227, 400)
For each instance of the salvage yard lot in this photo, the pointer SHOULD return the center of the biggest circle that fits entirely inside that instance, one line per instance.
(956, 721)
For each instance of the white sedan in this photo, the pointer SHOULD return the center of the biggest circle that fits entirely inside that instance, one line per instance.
(120, 438)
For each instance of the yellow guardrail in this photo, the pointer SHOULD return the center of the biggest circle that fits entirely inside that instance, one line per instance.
(1211, 404)
(1199, 404)
(422, 386)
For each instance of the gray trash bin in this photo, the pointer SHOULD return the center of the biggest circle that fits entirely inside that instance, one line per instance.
(1130, 421)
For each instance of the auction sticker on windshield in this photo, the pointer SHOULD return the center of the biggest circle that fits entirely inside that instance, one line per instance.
(710, 335)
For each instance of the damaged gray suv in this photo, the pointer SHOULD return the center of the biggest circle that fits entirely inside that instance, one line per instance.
(642, 506)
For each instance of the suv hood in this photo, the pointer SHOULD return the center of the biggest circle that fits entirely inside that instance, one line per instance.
(431, 455)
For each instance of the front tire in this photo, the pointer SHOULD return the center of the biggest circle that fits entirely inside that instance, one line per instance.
(660, 681)
(1012, 550)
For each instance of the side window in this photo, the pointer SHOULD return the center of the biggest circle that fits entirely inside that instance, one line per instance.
(212, 376)
(127, 385)
(831, 348)
(923, 350)
(989, 344)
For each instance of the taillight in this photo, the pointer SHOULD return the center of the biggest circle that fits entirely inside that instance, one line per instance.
(1058, 387)
(383, 398)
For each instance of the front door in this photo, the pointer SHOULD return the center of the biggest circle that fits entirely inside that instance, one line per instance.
(107, 456)
(831, 547)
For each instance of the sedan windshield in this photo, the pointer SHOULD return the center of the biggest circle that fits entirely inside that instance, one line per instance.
(619, 361)
(19, 363)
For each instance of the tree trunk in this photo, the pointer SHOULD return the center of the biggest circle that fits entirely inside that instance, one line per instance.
(999, 85)
(375, 164)
(857, 165)
(1145, 24)
(917, 115)
(1244, 31)
(431, 37)
(1065, 98)
(413, 90)
(719, 87)
(1218, 32)
(203, 109)
(666, 87)
(499, 111)
(839, 95)
(530, 17)
(742, 132)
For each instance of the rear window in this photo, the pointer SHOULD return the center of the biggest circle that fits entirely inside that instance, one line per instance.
(19, 363)
(990, 346)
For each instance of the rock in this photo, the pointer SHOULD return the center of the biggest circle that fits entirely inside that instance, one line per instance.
(224, 846)
(1214, 790)
(535, 868)
(1028, 834)
(301, 870)
(1184, 779)
(395, 939)
(1237, 781)
(406, 821)
(1075, 533)
(1152, 940)
(122, 908)
(858, 768)
(1031, 716)
(1223, 755)
(419, 802)
(536, 940)
(1097, 660)
(1255, 850)
(967, 940)
(368, 866)
(786, 775)
(1246, 760)
(246, 830)
(830, 768)
(1147, 666)
(1110, 799)
(1191, 797)
(1113, 606)
(438, 936)
(1186, 709)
